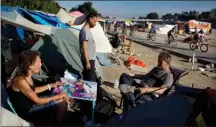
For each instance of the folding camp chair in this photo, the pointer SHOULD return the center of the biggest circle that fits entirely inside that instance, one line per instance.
(177, 74)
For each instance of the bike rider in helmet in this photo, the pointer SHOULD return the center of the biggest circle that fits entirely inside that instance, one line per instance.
(152, 30)
(201, 35)
(170, 34)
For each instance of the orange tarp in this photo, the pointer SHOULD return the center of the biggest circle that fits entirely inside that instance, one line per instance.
(132, 60)
(199, 25)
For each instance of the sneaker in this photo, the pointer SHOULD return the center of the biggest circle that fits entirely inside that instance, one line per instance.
(124, 88)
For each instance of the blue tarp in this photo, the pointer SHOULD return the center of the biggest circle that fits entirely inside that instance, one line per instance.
(19, 30)
(40, 18)
(36, 17)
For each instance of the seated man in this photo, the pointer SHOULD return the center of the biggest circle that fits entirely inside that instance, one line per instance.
(159, 77)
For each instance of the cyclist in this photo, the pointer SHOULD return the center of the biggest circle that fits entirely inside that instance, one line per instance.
(170, 34)
(152, 30)
(201, 35)
(196, 35)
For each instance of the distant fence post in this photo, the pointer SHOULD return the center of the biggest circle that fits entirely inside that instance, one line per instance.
(193, 60)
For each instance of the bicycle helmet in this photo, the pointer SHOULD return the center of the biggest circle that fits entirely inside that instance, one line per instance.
(201, 31)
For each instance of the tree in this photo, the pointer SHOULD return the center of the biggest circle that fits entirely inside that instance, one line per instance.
(152, 15)
(85, 8)
(73, 9)
(213, 14)
(168, 16)
(176, 16)
(49, 6)
(205, 15)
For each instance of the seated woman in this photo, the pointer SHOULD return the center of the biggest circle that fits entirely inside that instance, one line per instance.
(23, 93)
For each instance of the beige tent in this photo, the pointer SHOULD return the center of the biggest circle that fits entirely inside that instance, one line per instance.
(102, 43)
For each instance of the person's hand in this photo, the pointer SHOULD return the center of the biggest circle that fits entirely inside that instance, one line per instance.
(143, 90)
(63, 96)
(88, 66)
(56, 84)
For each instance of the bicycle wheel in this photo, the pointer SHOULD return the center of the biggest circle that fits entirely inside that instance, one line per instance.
(193, 45)
(153, 37)
(174, 43)
(204, 47)
(166, 41)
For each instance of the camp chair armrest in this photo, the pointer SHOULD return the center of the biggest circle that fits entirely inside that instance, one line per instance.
(182, 75)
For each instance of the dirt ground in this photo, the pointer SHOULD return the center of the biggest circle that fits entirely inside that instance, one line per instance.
(149, 57)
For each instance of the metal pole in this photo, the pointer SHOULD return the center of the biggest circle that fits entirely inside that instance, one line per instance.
(93, 109)
(193, 60)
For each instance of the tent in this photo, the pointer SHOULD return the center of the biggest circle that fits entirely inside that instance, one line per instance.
(60, 51)
(58, 42)
(192, 24)
(181, 27)
(64, 17)
(76, 13)
(164, 29)
(102, 43)
(15, 19)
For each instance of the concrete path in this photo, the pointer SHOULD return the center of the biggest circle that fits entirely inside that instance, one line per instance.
(182, 49)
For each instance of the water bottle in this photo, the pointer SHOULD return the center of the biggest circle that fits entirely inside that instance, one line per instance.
(116, 84)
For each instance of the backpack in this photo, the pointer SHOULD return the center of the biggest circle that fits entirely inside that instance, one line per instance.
(105, 106)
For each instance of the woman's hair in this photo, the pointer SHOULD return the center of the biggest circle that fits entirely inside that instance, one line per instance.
(26, 59)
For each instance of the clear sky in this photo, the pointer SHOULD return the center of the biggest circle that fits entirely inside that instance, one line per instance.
(129, 9)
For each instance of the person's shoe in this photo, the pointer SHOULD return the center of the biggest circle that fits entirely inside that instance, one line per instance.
(124, 88)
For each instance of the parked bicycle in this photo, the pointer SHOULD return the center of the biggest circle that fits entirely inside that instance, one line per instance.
(151, 36)
(171, 40)
(199, 45)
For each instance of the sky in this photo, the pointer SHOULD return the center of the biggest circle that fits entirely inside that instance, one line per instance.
(129, 9)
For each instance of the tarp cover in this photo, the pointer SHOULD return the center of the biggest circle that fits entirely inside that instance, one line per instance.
(170, 111)
(14, 18)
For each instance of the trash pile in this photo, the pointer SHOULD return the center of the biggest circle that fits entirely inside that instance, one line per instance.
(209, 70)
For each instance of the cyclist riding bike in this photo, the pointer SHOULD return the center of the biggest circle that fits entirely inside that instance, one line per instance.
(152, 30)
(201, 35)
(170, 34)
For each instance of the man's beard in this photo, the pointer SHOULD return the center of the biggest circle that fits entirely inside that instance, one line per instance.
(91, 25)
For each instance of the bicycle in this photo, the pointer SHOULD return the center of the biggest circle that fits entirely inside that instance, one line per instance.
(171, 40)
(151, 36)
(198, 44)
